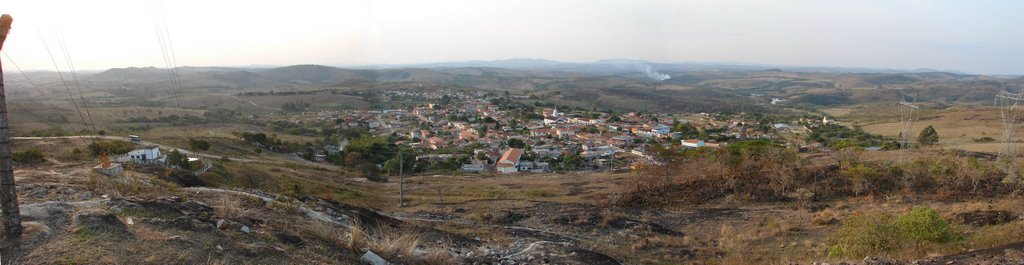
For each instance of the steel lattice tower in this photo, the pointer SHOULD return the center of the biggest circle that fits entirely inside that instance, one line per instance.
(908, 115)
(1011, 111)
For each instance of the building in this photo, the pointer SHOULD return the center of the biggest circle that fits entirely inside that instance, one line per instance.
(693, 143)
(660, 129)
(509, 162)
(474, 168)
(145, 154)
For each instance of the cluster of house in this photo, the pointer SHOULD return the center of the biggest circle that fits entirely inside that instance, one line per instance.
(603, 140)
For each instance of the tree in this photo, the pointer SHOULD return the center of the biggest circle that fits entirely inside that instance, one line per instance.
(198, 144)
(178, 159)
(516, 143)
(482, 131)
(928, 136)
(29, 155)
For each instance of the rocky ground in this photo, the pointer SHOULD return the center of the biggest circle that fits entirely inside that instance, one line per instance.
(75, 217)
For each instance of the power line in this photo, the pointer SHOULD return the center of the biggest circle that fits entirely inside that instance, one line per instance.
(74, 77)
(23, 74)
(64, 81)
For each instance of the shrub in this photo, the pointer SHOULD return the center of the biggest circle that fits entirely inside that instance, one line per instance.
(926, 225)
(862, 178)
(29, 155)
(111, 147)
(865, 234)
(879, 233)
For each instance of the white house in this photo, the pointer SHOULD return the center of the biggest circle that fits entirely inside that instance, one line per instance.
(509, 162)
(660, 129)
(693, 143)
(148, 153)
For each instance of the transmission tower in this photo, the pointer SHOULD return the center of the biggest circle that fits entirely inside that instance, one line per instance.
(908, 115)
(1011, 112)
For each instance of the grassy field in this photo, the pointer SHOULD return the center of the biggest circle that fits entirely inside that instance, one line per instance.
(324, 100)
(958, 127)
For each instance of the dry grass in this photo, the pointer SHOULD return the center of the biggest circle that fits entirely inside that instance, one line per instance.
(130, 184)
(326, 232)
(395, 245)
(230, 206)
(356, 237)
(825, 217)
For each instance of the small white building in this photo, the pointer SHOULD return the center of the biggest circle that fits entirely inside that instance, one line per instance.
(693, 143)
(148, 153)
(660, 129)
(509, 162)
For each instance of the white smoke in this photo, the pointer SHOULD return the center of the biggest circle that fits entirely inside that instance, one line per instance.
(655, 75)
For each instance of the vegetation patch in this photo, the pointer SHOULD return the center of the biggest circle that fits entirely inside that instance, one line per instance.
(881, 233)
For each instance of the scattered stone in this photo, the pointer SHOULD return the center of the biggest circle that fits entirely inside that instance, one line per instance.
(55, 215)
(984, 218)
(220, 248)
(245, 229)
(371, 258)
(129, 221)
(879, 261)
(288, 239)
(100, 221)
(222, 224)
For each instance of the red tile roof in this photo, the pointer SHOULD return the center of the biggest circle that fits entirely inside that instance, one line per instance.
(510, 158)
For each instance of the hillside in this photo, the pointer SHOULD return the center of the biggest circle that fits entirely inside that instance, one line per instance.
(621, 85)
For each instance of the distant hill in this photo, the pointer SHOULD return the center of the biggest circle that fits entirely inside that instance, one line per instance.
(619, 84)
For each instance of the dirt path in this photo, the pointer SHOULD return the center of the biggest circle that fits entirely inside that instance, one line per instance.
(185, 151)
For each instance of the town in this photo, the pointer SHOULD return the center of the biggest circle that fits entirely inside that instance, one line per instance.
(487, 132)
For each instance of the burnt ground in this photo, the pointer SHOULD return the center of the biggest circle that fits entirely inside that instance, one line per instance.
(75, 217)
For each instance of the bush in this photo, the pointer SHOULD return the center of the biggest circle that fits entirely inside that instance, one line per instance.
(880, 233)
(111, 147)
(29, 155)
(865, 234)
(926, 225)
(198, 144)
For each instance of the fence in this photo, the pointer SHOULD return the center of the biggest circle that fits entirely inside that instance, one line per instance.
(124, 158)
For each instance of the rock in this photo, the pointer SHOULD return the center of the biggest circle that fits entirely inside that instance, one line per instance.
(288, 239)
(129, 221)
(371, 258)
(245, 229)
(220, 248)
(55, 215)
(984, 218)
(222, 224)
(100, 221)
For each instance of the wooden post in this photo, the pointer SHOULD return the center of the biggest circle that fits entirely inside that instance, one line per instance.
(11, 215)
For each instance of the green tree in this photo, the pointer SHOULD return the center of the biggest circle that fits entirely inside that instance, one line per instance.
(29, 155)
(928, 136)
(178, 159)
(482, 131)
(198, 144)
(516, 143)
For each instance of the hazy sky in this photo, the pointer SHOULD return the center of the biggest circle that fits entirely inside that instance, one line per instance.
(973, 36)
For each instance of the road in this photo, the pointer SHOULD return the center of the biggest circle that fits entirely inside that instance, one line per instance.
(167, 147)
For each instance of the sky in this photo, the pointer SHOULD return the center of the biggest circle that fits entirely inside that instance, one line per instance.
(982, 37)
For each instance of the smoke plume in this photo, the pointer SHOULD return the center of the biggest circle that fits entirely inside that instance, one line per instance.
(655, 75)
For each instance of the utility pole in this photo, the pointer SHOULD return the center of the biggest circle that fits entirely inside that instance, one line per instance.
(401, 178)
(11, 216)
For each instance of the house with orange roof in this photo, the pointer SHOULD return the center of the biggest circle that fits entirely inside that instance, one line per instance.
(509, 162)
